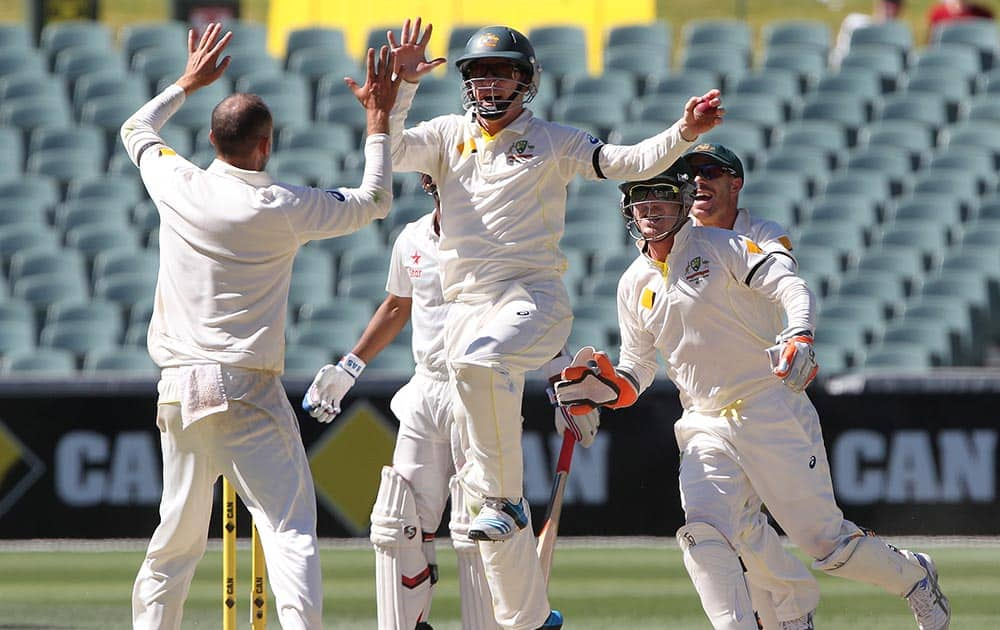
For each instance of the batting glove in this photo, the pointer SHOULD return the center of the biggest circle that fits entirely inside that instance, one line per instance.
(332, 382)
(793, 359)
(591, 381)
(584, 427)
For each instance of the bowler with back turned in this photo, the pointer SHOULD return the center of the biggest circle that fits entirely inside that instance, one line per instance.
(228, 236)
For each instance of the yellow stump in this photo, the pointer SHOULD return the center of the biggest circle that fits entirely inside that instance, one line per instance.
(258, 592)
(228, 556)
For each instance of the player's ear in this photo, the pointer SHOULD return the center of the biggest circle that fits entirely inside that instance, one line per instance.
(736, 185)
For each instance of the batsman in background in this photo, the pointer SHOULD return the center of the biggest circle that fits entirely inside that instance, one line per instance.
(413, 492)
(502, 175)
(228, 236)
(783, 591)
(698, 296)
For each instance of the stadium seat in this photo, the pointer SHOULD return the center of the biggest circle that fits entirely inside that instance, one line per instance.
(826, 135)
(954, 89)
(329, 38)
(618, 84)
(975, 133)
(940, 208)
(927, 109)
(966, 338)
(60, 35)
(91, 239)
(897, 357)
(97, 312)
(314, 63)
(793, 184)
(343, 110)
(334, 138)
(857, 209)
(980, 34)
(773, 206)
(763, 110)
(394, 359)
(746, 139)
(45, 259)
(951, 58)
(560, 62)
(73, 63)
(905, 261)
(30, 112)
(603, 192)
(717, 31)
(38, 361)
(805, 61)
(891, 160)
(31, 84)
(727, 63)
(64, 164)
(602, 113)
(662, 109)
(125, 289)
(44, 289)
(654, 34)
(340, 308)
(893, 34)
(334, 336)
(305, 360)
(16, 334)
(126, 189)
(867, 182)
(109, 83)
(811, 33)
(14, 211)
(571, 38)
(885, 61)
(682, 84)
(131, 361)
(859, 82)
(166, 35)
(644, 63)
(33, 189)
(772, 83)
(21, 61)
(14, 35)
(915, 137)
(866, 309)
(126, 260)
(318, 168)
(14, 238)
(821, 266)
(959, 184)
(156, 63)
(589, 332)
(109, 112)
(849, 111)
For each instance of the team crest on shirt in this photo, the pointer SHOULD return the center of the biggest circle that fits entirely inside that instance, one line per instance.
(520, 152)
(696, 270)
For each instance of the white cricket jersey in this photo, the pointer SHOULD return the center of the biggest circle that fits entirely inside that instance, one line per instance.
(414, 273)
(504, 196)
(707, 311)
(227, 241)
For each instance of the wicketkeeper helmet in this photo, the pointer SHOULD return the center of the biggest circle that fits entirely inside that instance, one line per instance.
(669, 195)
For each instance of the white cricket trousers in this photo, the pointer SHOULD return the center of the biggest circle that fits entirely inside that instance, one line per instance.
(256, 444)
(491, 341)
(769, 445)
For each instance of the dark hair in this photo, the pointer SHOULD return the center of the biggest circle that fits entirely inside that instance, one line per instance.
(239, 122)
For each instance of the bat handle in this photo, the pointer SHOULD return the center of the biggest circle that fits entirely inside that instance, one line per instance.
(566, 452)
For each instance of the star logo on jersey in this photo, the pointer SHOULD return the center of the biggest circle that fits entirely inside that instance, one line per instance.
(696, 270)
(415, 257)
(520, 152)
(414, 271)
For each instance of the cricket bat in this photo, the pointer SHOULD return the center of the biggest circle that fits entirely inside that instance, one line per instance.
(550, 528)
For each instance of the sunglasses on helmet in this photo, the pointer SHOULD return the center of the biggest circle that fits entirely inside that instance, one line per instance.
(711, 171)
(655, 192)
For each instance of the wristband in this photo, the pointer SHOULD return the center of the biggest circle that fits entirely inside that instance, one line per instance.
(352, 364)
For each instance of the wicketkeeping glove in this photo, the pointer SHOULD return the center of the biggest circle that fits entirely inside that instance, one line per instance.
(591, 381)
(793, 359)
(332, 382)
(584, 427)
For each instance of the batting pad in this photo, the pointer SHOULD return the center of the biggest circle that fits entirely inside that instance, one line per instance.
(864, 557)
(476, 600)
(402, 573)
(718, 577)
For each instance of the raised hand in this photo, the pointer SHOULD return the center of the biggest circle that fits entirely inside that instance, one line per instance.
(381, 83)
(411, 51)
(203, 66)
(701, 114)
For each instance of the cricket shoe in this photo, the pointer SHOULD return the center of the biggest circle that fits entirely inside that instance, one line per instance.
(553, 622)
(498, 519)
(423, 625)
(805, 622)
(928, 603)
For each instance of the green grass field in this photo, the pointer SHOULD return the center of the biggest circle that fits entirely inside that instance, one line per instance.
(598, 585)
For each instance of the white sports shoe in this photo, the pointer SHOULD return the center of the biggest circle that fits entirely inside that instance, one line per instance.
(928, 603)
(498, 519)
(805, 622)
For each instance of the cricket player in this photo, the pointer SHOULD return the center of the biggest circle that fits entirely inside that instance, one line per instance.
(228, 236)
(783, 591)
(748, 432)
(502, 175)
(414, 489)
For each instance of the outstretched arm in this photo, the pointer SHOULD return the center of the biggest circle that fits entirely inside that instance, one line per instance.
(389, 318)
(378, 94)
(203, 65)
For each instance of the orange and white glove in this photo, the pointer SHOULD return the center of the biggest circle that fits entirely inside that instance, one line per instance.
(582, 427)
(591, 381)
(793, 359)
